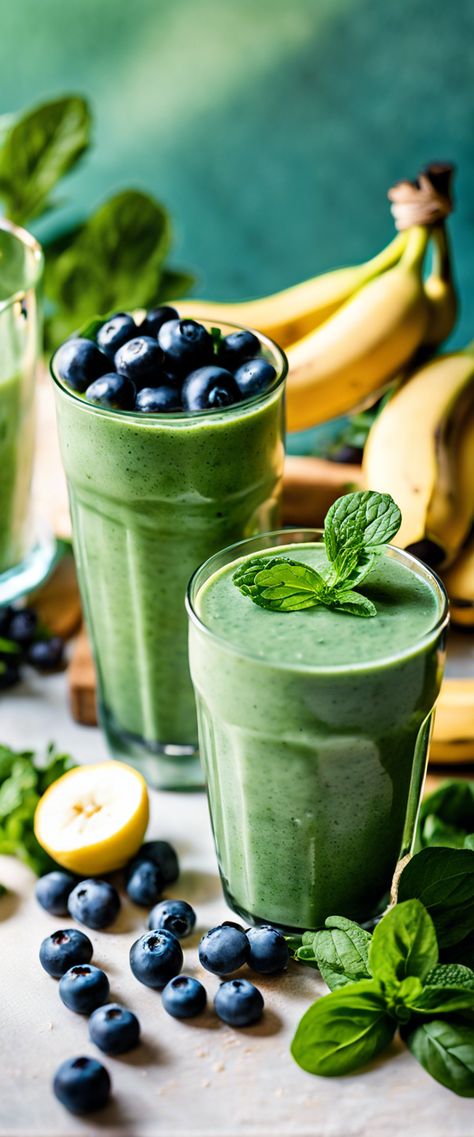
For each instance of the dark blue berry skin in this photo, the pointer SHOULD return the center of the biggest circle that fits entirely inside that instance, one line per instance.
(236, 348)
(174, 916)
(94, 903)
(115, 332)
(83, 988)
(163, 855)
(156, 958)
(209, 388)
(22, 627)
(63, 949)
(79, 361)
(186, 345)
(268, 950)
(46, 655)
(144, 883)
(254, 377)
(114, 1029)
(238, 1002)
(155, 319)
(114, 391)
(184, 997)
(52, 891)
(141, 360)
(223, 949)
(158, 400)
(82, 1085)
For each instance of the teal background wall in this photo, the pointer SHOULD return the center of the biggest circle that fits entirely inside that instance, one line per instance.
(271, 128)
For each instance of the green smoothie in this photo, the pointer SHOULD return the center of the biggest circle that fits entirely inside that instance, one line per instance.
(16, 452)
(313, 728)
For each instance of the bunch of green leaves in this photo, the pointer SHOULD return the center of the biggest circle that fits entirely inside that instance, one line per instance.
(115, 258)
(447, 817)
(411, 974)
(356, 530)
(24, 777)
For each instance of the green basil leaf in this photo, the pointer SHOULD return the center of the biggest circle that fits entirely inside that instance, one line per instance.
(443, 879)
(404, 943)
(360, 519)
(343, 1030)
(401, 997)
(447, 988)
(447, 815)
(37, 148)
(445, 1049)
(341, 950)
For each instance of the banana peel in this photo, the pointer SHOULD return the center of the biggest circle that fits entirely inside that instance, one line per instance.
(453, 732)
(459, 583)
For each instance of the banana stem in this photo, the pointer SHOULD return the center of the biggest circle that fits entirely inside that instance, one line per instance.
(417, 242)
(388, 256)
(441, 262)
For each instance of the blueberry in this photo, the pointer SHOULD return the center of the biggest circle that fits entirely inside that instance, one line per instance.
(63, 949)
(268, 950)
(238, 1002)
(155, 319)
(46, 655)
(223, 949)
(208, 388)
(114, 1029)
(155, 958)
(163, 855)
(52, 891)
(186, 345)
(236, 348)
(94, 903)
(140, 360)
(158, 400)
(114, 391)
(144, 883)
(79, 361)
(83, 988)
(184, 997)
(175, 916)
(9, 675)
(254, 377)
(82, 1085)
(23, 625)
(115, 332)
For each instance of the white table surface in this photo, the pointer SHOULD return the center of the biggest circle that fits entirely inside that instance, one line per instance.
(195, 1079)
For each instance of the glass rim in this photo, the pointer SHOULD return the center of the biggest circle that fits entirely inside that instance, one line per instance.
(26, 239)
(173, 417)
(308, 536)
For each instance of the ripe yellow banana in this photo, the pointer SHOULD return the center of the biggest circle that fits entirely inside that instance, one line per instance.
(441, 291)
(348, 360)
(286, 316)
(421, 450)
(459, 583)
(453, 732)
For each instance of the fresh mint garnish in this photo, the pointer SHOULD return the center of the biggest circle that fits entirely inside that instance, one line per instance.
(356, 530)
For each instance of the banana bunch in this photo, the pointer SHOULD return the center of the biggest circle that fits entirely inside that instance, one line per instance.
(459, 583)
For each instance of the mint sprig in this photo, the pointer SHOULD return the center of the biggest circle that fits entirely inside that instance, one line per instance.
(357, 528)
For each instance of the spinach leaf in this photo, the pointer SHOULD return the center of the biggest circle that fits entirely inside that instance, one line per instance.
(443, 879)
(403, 944)
(37, 148)
(445, 1049)
(341, 950)
(343, 1030)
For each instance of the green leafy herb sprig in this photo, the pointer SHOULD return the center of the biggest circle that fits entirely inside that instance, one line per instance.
(357, 528)
(447, 816)
(24, 777)
(412, 974)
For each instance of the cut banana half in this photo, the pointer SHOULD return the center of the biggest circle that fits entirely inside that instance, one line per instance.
(94, 818)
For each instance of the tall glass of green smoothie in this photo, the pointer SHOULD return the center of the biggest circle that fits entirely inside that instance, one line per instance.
(314, 727)
(21, 267)
(152, 495)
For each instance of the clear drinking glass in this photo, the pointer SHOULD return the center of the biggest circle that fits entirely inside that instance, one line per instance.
(151, 496)
(314, 774)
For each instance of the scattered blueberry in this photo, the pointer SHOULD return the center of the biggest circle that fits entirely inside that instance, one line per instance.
(268, 950)
(186, 345)
(63, 949)
(52, 892)
(174, 916)
(82, 1085)
(46, 655)
(254, 377)
(158, 400)
(223, 949)
(23, 625)
(83, 988)
(232, 924)
(155, 958)
(209, 388)
(140, 360)
(114, 391)
(236, 348)
(114, 1029)
(238, 1002)
(144, 883)
(115, 332)
(155, 319)
(79, 361)
(94, 903)
(9, 674)
(163, 855)
(184, 997)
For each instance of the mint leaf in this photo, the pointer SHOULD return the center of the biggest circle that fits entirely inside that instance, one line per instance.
(341, 950)
(343, 1030)
(445, 1049)
(37, 148)
(24, 777)
(351, 602)
(403, 944)
(362, 520)
(279, 583)
(443, 879)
